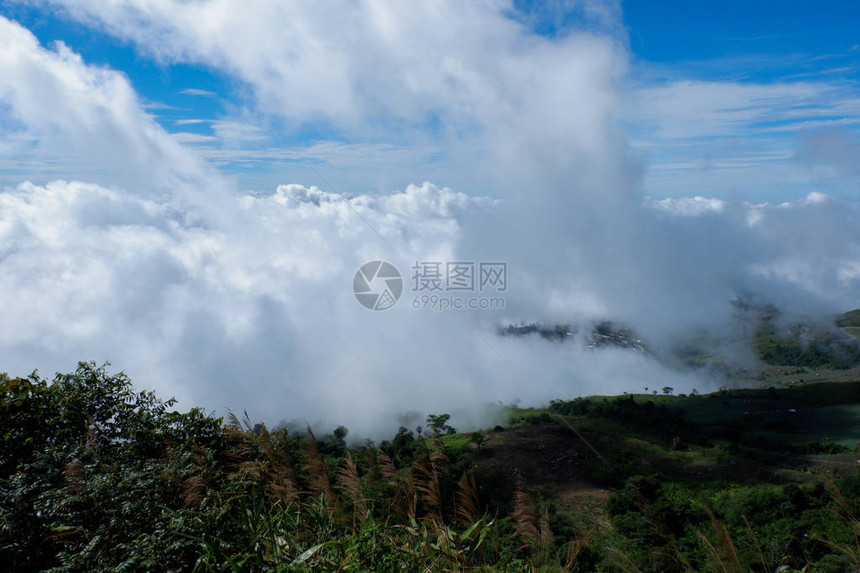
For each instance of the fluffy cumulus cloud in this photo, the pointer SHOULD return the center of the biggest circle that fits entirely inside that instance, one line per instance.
(234, 298)
(56, 109)
(261, 313)
(368, 60)
(467, 80)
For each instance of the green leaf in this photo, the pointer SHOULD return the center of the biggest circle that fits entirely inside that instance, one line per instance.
(308, 553)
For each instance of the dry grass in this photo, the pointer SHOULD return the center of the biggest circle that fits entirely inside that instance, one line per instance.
(316, 469)
(74, 475)
(575, 547)
(467, 506)
(845, 513)
(349, 482)
(256, 463)
(723, 550)
(427, 485)
(193, 490)
(387, 467)
(530, 523)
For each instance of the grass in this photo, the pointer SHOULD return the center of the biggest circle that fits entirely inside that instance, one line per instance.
(747, 436)
(516, 415)
(837, 424)
(456, 442)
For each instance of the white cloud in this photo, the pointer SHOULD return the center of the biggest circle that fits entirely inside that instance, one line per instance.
(236, 133)
(87, 122)
(259, 313)
(368, 59)
(816, 197)
(736, 138)
(463, 75)
(688, 206)
(688, 109)
(193, 138)
(198, 92)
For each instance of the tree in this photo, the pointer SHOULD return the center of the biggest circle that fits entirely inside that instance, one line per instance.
(339, 435)
(667, 390)
(439, 424)
(477, 438)
(87, 453)
(402, 446)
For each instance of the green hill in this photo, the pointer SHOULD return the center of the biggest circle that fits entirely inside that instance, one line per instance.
(849, 319)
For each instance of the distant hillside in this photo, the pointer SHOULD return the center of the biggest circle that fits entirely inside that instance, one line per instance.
(849, 319)
(804, 344)
(600, 334)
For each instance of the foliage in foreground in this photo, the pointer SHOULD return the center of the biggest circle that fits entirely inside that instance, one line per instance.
(96, 476)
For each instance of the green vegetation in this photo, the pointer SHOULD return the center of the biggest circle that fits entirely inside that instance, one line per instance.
(439, 424)
(807, 346)
(95, 476)
(796, 347)
(849, 319)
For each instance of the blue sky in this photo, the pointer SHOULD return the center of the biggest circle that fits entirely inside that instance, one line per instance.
(775, 47)
(778, 39)
(675, 32)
